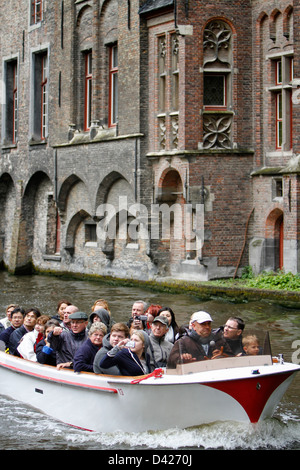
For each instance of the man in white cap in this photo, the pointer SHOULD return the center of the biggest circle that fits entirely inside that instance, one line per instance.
(199, 343)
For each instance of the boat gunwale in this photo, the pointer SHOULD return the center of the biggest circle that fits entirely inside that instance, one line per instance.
(200, 377)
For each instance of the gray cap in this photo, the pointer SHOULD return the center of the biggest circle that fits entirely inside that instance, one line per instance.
(78, 316)
(162, 320)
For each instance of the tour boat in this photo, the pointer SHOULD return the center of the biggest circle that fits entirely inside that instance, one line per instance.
(244, 389)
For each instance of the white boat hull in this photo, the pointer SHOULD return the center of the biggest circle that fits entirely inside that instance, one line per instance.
(109, 403)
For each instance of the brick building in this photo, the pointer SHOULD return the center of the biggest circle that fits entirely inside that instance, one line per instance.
(116, 114)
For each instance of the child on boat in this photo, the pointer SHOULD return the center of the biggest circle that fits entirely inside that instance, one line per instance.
(251, 345)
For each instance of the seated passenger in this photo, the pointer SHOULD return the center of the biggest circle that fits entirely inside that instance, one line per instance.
(44, 353)
(6, 321)
(17, 318)
(132, 359)
(151, 313)
(28, 342)
(100, 303)
(233, 331)
(103, 304)
(173, 330)
(66, 322)
(66, 343)
(85, 354)
(159, 347)
(251, 346)
(101, 315)
(199, 343)
(62, 304)
(118, 332)
(138, 320)
(30, 319)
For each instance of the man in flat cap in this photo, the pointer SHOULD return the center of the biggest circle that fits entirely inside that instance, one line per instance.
(66, 343)
(199, 343)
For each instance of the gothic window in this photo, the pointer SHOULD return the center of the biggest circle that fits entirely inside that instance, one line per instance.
(217, 77)
(87, 90)
(11, 108)
(167, 90)
(214, 90)
(44, 99)
(40, 96)
(90, 232)
(36, 11)
(113, 85)
(281, 99)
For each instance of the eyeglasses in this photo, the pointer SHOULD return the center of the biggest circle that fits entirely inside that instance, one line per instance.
(231, 327)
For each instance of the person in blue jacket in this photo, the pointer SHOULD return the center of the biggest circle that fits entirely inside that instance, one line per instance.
(130, 356)
(44, 353)
(30, 317)
(84, 357)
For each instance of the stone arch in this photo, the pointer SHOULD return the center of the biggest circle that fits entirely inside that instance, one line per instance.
(74, 206)
(170, 196)
(274, 20)
(33, 221)
(273, 258)
(288, 22)
(65, 188)
(105, 185)
(170, 186)
(115, 192)
(109, 29)
(83, 42)
(108, 35)
(7, 212)
(84, 29)
(72, 229)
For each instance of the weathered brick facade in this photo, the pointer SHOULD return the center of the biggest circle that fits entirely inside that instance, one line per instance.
(125, 103)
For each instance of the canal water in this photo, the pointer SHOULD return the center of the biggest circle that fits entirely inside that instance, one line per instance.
(23, 427)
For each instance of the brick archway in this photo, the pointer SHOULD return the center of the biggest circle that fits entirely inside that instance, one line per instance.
(274, 240)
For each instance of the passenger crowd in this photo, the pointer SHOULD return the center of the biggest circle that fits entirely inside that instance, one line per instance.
(96, 343)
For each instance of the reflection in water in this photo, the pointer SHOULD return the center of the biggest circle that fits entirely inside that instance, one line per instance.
(22, 427)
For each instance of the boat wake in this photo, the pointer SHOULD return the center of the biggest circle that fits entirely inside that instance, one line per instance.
(22, 427)
(272, 434)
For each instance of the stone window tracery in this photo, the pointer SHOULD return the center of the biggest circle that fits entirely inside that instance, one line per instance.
(217, 77)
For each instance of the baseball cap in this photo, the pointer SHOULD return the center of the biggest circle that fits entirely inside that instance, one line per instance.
(162, 320)
(200, 317)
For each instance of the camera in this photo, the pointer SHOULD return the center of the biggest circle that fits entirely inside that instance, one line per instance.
(130, 344)
(141, 317)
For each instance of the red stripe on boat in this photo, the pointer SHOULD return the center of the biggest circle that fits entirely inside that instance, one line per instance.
(252, 393)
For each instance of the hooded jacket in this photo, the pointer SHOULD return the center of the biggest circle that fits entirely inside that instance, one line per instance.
(103, 316)
(106, 346)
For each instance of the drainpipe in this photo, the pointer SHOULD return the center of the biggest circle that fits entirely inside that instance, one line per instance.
(55, 175)
(135, 169)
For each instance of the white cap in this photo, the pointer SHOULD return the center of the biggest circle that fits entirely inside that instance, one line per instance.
(201, 317)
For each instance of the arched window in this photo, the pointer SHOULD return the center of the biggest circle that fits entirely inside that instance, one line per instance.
(217, 85)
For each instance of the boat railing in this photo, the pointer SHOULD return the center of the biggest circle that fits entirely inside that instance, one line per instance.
(221, 363)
